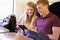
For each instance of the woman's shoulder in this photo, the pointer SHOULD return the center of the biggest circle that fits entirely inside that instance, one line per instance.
(22, 15)
(36, 17)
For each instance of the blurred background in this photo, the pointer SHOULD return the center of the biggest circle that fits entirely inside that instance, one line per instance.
(8, 7)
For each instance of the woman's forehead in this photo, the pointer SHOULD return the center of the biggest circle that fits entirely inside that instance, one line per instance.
(29, 7)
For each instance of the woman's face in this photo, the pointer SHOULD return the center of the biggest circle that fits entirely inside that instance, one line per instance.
(29, 10)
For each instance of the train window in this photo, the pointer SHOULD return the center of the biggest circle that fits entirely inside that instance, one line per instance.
(6, 8)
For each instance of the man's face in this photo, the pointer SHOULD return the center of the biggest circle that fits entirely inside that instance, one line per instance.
(29, 10)
(41, 9)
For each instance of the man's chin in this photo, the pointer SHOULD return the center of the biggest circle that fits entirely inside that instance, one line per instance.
(40, 14)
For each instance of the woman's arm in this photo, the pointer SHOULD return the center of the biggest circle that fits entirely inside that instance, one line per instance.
(34, 28)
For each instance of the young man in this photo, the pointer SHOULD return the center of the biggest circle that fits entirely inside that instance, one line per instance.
(47, 23)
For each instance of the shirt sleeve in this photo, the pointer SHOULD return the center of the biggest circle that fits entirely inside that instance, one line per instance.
(21, 19)
(56, 22)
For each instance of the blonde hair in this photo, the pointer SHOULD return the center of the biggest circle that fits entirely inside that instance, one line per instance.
(44, 2)
(31, 4)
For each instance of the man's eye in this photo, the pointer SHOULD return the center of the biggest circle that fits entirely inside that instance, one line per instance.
(27, 9)
(39, 8)
(31, 9)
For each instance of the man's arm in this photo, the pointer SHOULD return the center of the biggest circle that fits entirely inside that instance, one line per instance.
(55, 34)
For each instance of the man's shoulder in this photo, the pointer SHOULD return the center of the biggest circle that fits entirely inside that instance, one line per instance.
(54, 16)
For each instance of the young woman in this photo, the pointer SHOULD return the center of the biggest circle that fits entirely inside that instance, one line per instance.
(28, 16)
